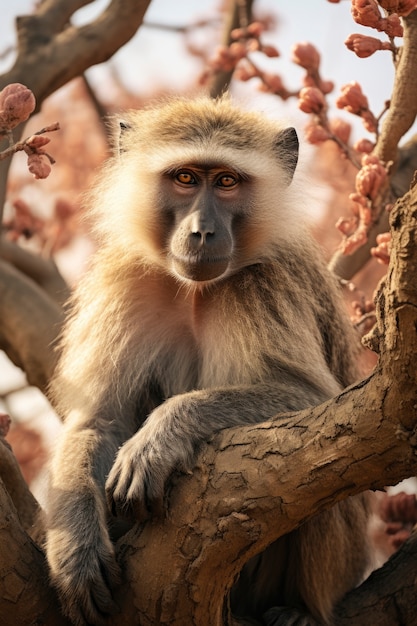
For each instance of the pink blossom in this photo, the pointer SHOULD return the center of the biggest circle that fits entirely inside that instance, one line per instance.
(364, 145)
(245, 71)
(355, 241)
(347, 226)
(340, 129)
(311, 100)
(392, 26)
(306, 55)
(37, 141)
(370, 177)
(364, 46)
(366, 12)
(270, 51)
(382, 251)
(256, 29)
(326, 86)
(237, 50)
(38, 166)
(253, 45)
(273, 83)
(352, 99)
(16, 104)
(316, 134)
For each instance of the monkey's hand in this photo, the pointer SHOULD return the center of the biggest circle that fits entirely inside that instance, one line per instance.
(82, 565)
(167, 440)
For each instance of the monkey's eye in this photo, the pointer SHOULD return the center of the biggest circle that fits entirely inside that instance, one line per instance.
(227, 181)
(185, 178)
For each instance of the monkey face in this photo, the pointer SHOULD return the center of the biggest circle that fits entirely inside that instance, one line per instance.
(205, 202)
(198, 189)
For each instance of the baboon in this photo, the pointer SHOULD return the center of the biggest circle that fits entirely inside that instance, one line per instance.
(207, 305)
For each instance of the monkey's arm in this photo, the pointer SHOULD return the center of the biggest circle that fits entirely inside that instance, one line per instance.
(79, 550)
(173, 432)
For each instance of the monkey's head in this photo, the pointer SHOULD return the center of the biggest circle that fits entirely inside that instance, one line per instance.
(199, 187)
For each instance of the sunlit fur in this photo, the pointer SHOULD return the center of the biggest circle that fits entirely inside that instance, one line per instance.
(267, 336)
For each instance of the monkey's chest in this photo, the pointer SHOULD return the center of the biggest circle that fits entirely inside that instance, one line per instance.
(217, 358)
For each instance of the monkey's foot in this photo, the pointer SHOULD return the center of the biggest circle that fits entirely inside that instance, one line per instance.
(83, 576)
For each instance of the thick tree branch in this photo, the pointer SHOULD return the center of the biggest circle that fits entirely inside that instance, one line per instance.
(51, 51)
(387, 598)
(25, 596)
(26, 506)
(30, 322)
(43, 271)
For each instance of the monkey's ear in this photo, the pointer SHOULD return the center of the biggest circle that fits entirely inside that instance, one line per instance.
(124, 129)
(286, 148)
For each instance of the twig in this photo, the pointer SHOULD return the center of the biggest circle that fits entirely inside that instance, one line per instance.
(23, 145)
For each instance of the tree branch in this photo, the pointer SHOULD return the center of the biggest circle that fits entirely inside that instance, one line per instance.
(51, 51)
(398, 120)
(403, 105)
(26, 506)
(221, 79)
(387, 598)
(43, 271)
(30, 322)
(25, 598)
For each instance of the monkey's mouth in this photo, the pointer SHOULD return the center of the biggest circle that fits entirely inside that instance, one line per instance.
(198, 268)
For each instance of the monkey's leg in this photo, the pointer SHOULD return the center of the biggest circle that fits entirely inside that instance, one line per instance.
(79, 550)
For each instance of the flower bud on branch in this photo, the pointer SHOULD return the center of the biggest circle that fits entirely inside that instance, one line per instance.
(316, 134)
(367, 13)
(355, 228)
(311, 100)
(33, 146)
(17, 102)
(354, 101)
(364, 46)
(306, 55)
(370, 177)
(382, 251)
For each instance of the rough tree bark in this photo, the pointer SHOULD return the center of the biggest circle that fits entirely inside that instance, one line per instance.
(255, 483)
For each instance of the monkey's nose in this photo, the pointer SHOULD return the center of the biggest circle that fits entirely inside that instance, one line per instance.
(201, 237)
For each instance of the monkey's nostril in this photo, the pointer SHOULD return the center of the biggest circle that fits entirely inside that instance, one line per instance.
(201, 237)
